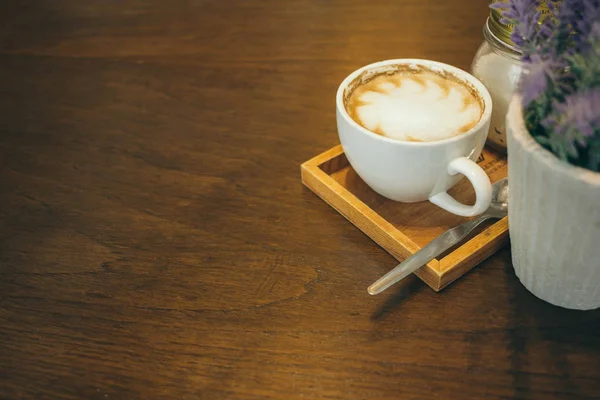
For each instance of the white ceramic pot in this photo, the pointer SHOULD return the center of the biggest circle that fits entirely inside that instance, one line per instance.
(554, 221)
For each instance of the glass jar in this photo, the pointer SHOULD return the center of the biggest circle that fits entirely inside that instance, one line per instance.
(497, 64)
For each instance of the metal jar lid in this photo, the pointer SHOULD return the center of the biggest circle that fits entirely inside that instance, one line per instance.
(503, 31)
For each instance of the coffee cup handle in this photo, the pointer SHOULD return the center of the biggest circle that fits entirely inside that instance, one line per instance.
(480, 181)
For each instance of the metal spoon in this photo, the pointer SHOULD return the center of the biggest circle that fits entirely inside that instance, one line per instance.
(497, 209)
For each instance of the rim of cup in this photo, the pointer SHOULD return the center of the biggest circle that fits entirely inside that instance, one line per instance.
(459, 73)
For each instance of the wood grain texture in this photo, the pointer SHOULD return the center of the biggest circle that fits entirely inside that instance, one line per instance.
(156, 241)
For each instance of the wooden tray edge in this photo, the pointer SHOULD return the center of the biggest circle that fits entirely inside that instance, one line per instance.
(363, 217)
(461, 260)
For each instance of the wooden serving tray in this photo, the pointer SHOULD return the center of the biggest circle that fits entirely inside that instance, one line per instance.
(402, 229)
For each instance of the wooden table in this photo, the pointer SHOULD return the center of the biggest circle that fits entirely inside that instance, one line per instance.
(156, 241)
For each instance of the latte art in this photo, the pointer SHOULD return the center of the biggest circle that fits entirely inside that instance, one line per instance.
(420, 106)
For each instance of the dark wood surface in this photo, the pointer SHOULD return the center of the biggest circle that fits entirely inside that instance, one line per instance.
(156, 241)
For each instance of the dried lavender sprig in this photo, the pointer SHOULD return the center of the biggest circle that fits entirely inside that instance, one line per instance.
(561, 83)
(577, 118)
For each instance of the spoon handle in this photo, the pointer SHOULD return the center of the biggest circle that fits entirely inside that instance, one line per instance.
(433, 249)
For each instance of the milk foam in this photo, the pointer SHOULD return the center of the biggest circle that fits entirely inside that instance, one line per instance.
(409, 106)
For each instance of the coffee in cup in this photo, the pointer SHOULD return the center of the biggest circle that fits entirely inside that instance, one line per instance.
(413, 103)
(410, 128)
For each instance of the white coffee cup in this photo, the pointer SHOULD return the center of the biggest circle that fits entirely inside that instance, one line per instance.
(408, 171)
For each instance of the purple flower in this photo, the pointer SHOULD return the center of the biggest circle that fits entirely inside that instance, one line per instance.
(594, 38)
(538, 73)
(589, 16)
(526, 30)
(524, 15)
(516, 10)
(579, 20)
(595, 31)
(577, 118)
(560, 85)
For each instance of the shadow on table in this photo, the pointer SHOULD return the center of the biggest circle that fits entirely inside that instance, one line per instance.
(535, 326)
(404, 289)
